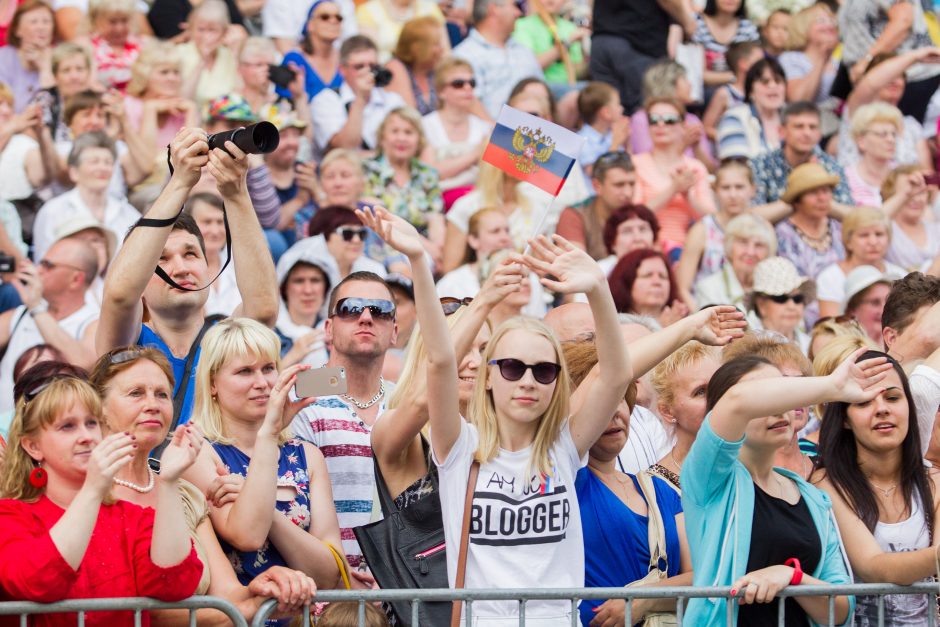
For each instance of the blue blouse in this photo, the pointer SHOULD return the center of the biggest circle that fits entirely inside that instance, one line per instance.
(314, 84)
(616, 539)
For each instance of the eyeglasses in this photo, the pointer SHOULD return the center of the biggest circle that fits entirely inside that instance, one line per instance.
(614, 158)
(512, 369)
(45, 264)
(460, 83)
(450, 304)
(352, 308)
(330, 17)
(667, 120)
(348, 233)
(885, 134)
(780, 299)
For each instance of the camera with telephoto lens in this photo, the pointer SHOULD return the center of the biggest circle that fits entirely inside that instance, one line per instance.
(383, 76)
(281, 75)
(257, 139)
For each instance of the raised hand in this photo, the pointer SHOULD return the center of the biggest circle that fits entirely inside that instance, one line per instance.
(189, 153)
(229, 169)
(718, 326)
(572, 269)
(503, 281)
(181, 452)
(281, 410)
(292, 589)
(112, 453)
(395, 231)
(858, 382)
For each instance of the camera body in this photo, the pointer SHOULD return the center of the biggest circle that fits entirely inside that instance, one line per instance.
(7, 263)
(383, 76)
(257, 139)
(281, 75)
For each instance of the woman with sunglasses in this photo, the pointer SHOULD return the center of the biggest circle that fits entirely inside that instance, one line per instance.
(530, 450)
(456, 136)
(318, 56)
(341, 238)
(673, 185)
(883, 496)
(283, 514)
(135, 385)
(778, 299)
(758, 528)
(56, 481)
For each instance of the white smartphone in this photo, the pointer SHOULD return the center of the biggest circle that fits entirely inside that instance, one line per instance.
(320, 382)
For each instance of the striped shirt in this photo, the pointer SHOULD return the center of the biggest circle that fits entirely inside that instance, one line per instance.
(334, 427)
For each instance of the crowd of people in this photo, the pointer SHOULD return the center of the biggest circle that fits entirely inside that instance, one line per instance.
(713, 359)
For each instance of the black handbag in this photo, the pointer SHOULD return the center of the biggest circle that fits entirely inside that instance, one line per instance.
(406, 549)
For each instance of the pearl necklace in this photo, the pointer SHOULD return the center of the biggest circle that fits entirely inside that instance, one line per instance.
(136, 488)
(373, 401)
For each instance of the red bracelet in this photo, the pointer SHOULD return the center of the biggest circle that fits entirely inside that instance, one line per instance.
(797, 571)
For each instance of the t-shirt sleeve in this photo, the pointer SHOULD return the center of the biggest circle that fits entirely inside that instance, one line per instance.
(830, 284)
(31, 566)
(462, 450)
(795, 64)
(570, 225)
(568, 448)
(709, 465)
(166, 584)
(925, 388)
(329, 115)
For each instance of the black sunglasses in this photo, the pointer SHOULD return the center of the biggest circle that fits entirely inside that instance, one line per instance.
(349, 233)
(512, 369)
(459, 83)
(352, 308)
(780, 299)
(451, 304)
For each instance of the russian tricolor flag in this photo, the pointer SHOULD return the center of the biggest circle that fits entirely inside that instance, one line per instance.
(532, 149)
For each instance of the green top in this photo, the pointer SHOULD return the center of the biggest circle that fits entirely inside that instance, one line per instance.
(532, 33)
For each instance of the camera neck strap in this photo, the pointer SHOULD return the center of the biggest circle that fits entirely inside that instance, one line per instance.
(160, 223)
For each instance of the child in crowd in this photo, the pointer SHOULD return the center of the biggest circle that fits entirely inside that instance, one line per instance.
(740, 57)
(605, 128)
(774, 33)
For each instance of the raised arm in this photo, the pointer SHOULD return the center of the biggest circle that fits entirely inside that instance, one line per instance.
(443, 409)
(867, 87)
(254, 266)
(171, 541)
(132, 268)
(574, 271)
(851, 382)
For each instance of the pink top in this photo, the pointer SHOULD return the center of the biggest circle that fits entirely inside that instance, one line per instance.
(165, 132)
(677, 215)
(863, 193)
(114, 64)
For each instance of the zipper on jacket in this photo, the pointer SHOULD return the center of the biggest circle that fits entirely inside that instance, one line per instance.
(423, 555)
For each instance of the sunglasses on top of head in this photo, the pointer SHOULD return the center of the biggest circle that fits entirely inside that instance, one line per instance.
(352, 308)
(513, 369)
(349, 232)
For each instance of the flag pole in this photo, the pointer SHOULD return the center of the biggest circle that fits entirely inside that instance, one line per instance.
(539, 226)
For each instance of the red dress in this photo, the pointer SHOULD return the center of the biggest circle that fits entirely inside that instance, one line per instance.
(116, 564)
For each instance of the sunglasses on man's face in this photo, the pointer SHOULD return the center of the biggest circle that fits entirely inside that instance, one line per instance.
(783, 298)
(348, 233)
(352, 308)
(513, 369)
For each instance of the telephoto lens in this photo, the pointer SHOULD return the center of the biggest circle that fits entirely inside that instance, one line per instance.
(257, 139)
(383, 76)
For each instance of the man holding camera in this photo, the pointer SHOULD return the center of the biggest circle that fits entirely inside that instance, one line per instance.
(175, 319)
(351, 118)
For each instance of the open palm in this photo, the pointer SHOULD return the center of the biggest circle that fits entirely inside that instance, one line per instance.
(857, 382)
(562, 266)
(394, 230)
(717, 326)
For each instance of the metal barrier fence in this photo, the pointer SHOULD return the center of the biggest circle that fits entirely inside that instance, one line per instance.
(682, 594)
(138, 605)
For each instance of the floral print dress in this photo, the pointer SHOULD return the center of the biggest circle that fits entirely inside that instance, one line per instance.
(416, 202)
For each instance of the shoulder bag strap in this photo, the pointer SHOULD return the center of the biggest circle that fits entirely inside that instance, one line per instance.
(655, 525)
(16, 323)
(464, 541)
(188, 370)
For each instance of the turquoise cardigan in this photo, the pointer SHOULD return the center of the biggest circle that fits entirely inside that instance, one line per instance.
(718, 501)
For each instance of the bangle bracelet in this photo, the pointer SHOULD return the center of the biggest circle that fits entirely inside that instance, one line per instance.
(797, 571)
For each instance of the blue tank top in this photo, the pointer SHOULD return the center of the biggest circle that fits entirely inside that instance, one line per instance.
(313, 83)
(291, 472)
(150, 339)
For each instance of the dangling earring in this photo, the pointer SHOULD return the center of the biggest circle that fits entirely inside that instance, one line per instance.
(38, 477)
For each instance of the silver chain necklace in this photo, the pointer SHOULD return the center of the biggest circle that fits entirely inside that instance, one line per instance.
(136, 488)
(369, 403)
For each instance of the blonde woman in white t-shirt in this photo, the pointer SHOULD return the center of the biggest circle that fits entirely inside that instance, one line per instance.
(525, 527)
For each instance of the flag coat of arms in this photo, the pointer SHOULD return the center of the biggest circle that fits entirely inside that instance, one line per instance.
(532, 149)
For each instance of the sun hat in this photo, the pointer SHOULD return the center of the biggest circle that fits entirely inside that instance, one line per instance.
(863, 277)
(83, 222)
(805, 178)
(776, 276)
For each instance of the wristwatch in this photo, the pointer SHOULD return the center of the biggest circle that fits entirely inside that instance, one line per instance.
(42, 307)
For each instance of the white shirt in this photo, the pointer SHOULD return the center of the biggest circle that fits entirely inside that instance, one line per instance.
(317, 357)
(14, 183)
(444, 148)
(830, 284)
(119, 216)
(118, 185)
(647, 442)
(224, 296)
(525, 530)
(464, 282)
(285, 19)
(925, 388)
(329, 114)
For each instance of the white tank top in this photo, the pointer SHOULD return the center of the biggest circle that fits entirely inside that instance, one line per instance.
(900, 610)
(26, 335)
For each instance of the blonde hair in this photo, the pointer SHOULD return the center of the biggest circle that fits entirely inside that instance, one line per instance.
(836, 329)
(213, 10)
(771, 348)
(483, 411)
(833, 354)
(889, 187)
(6, 94)
(30, 418)
(68, 50)
(443, 70)
(258, 45)
(233, 337)
(153, 53)
(859, 218)
(665, 373)
(98, 8)
(347, 613)
(747, 226)
(802, 22)
(491, 183)
(342, 154)
(416, 38)
(872, 113)
(412, 117)
(581, 357)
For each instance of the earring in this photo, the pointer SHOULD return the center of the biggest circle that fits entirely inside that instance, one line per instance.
(38, 477)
